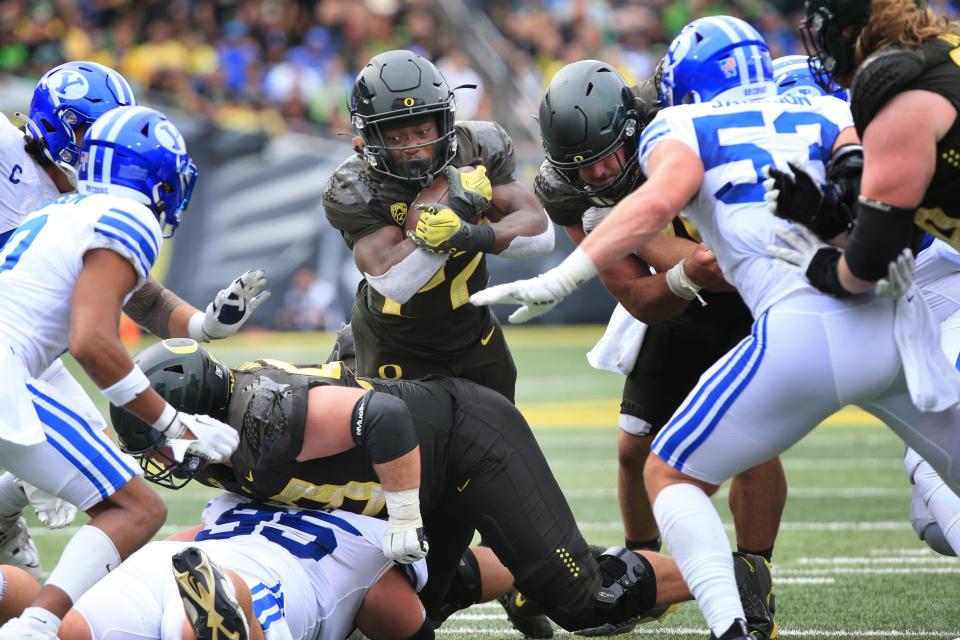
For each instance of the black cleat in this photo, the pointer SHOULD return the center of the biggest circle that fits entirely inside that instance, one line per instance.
(737, 631)
(208, 597)
(756, 595)
(657, 614)
(525, 616)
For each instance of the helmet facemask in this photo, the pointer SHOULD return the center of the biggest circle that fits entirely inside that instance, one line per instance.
(831, 39)
(382, 157)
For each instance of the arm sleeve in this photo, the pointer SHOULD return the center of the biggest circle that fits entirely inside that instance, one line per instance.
(382, 425)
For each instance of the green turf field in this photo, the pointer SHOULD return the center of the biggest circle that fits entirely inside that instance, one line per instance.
(848, 565)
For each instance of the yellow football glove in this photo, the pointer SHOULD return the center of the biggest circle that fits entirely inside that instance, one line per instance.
(441, 230)
(470, 193)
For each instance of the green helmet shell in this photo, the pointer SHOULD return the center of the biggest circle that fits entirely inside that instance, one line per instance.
(587, 113)
(192, 381)
(397, 89)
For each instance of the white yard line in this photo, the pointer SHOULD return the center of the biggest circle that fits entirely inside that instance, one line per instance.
(800, 492)
(888, 525)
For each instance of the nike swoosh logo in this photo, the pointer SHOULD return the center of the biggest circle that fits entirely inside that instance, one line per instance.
(463, 486)
(484, 341)
(250, 476)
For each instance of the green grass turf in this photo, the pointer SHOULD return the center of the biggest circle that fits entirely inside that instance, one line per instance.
(848, 565)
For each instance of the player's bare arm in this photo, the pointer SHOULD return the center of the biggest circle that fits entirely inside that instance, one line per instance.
(675, 175)
(900, 160)
(646, 296)
(516, 212)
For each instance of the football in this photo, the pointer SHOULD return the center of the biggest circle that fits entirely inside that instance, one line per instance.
(436, 192)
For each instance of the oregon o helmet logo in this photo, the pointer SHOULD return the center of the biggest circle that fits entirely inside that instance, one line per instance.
(69, 84)
(578, 158)
(409, 102)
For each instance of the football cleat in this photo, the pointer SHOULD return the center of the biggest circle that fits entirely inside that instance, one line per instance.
(525, 616)
(208, 597)
(737, 631)
(756, 595)
(17, 548)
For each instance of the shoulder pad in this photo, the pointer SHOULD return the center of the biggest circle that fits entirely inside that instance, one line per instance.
(882, 76)
(564, 204)
(350, 185)
(489, 143)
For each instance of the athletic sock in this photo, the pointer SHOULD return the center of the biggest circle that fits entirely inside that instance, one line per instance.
(88, 557)
(766, 554)
(692, 529)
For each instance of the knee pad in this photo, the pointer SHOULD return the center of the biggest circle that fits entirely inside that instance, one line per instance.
(933, 536)
(628, 584)
(464, 590)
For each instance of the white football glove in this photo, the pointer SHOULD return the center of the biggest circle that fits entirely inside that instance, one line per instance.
(899, 276)
(593, 217)
(231, 307)
(215, 441)
(539, 295)
(802, 246)
(403, 541)
(52, 511)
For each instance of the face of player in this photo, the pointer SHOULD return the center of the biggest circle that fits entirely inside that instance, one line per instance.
(603, 172)
(415, 142)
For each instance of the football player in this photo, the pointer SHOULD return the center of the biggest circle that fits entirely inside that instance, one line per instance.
(591, 164)
(411, 316)
(705, 156)
(65, 273)
(253, 571)
(898, 57)
(481, 470)
(39, 164)
(934, 508)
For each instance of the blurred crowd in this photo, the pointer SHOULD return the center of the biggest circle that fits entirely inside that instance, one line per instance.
(277, 65)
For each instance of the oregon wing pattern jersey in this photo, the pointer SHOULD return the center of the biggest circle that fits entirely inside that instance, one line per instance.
(735, 141)
(42, 259)
(268, 408)
(359, 201)
(24, 186)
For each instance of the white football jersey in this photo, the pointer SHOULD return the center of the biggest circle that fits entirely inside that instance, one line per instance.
(42, 259)
(24, 186)
(735, 141)
(340, 555)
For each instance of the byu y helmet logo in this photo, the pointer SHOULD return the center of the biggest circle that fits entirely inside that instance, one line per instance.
(69, 84)
(170, 138)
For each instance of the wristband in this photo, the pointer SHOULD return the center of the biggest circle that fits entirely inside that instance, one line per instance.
(195, 327)
(127, 388)
(168, 423)
(681, 285)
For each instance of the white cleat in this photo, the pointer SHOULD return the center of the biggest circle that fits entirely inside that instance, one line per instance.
(17, 548)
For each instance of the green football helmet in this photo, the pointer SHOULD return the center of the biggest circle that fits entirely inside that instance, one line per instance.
(192, 381)
(399, 89)
(587, 114)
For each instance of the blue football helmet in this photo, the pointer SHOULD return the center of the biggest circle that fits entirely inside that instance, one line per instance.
(136, 152)
(716, 58)
(69, 96)
(796, 76)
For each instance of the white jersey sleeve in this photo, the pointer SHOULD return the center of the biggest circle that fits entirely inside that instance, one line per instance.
(132, 231)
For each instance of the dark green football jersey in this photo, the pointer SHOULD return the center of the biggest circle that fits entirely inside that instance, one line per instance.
(438, 320)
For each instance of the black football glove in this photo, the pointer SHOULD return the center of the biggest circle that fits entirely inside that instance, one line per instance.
(799, 199)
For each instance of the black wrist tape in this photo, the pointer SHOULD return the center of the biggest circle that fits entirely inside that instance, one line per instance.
(822, 272)
(482, 238)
